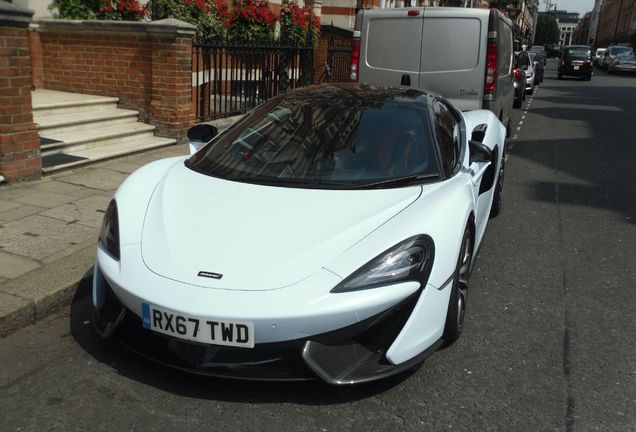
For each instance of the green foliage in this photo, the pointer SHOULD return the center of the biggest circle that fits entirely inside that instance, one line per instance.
(128, 10)
(74, 9)
(196, 12)
(547, 30)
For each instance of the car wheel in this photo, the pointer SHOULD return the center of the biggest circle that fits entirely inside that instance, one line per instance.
(516, 103)
(457, 302)
(588, 78)
(531, 90)
(497, 199)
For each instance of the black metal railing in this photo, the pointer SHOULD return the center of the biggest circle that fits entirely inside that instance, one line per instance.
(338, 66)
(232, 79)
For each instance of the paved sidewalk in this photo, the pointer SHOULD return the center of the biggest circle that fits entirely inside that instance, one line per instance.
(48, 234)
(49, 230)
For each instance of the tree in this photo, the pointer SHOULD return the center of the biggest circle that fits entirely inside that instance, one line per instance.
(547, 30)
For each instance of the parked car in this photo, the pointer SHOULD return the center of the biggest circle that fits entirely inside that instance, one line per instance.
(622, 63)
(576, 61)
(529, 67)
(519, 84)
(538, 67)
(447, 50)
(340, 247)
(597, 58)
(539, 51)
(553, 50)
(612, 52)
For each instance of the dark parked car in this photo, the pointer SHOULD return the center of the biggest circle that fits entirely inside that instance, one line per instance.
(553, 50)
(539, 51)
(576, 60)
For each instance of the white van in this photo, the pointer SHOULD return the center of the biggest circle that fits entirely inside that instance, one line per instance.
(464, 54)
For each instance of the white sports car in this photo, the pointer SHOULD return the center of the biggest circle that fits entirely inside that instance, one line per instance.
(329, 234)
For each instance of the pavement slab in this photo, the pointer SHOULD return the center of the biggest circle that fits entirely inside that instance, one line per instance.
(12, 266)
(8, 205)
(44, 199)
(19, 212)
(57, 186)
(96, 178)
(88, 211)
(39, 237)
(122, 166)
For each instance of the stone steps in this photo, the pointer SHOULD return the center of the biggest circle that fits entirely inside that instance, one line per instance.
(77, 129)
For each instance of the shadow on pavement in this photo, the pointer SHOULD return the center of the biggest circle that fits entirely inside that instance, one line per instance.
(135, 367)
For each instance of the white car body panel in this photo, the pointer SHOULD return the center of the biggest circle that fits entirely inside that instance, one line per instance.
(229, 224)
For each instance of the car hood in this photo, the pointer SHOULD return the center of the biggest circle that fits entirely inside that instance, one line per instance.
(257, 237)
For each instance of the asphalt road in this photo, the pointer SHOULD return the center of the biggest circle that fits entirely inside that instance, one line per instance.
(548, 343)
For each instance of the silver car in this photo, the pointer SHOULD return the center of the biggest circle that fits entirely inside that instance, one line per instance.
(612, 52)
(622, 63)
(526, 63)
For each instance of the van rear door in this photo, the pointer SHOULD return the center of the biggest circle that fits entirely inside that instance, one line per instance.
(453, 57)
(391, 46)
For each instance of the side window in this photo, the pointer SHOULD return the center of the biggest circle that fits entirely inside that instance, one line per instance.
(448, 132)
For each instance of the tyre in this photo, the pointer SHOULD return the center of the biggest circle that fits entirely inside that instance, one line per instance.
(516, 103)
(457, 302)
(588, 77)
(531, 91)
(497, 199)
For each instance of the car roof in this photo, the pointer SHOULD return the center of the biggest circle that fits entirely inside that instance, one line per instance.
(361, 94)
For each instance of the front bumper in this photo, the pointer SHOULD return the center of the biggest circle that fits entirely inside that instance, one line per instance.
(349, 355)
(624, 68)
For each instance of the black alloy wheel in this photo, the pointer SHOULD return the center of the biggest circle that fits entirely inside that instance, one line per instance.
(457, 302)
(497, 199)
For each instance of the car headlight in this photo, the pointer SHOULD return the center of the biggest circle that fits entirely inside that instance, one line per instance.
(411, 259)
(109, 234)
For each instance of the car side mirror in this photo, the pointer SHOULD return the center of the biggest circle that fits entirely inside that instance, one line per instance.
(479, 152)
(199, 135)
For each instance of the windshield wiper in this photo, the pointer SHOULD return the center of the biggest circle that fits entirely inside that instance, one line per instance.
(400, 181)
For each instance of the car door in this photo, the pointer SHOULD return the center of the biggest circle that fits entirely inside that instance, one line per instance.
(448, 131)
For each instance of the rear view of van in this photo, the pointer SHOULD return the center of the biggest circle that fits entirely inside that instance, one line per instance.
(464, 54)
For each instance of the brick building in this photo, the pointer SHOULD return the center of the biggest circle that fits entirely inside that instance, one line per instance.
(617, 20)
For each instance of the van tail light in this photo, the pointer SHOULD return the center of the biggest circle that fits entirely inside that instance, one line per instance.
(517, 73)
(491, 67)
(355, 59)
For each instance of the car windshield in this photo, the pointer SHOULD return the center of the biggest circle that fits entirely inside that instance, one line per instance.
(577, 52)
(621, 50)
(327, 139)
